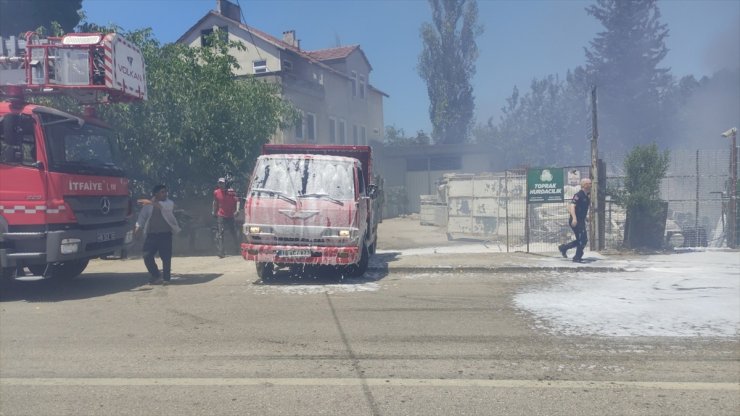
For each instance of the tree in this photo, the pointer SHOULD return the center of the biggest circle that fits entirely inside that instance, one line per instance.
(623, 62)
(199, 122)
(447, 64)
(397, 137)
(543, 127)
(644, 168)
(20, 16)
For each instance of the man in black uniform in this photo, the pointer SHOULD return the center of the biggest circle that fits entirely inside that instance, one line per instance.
(578, 210)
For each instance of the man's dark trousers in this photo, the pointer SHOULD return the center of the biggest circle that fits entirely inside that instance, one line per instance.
(158, 243)
(225, 223)
(581, 239)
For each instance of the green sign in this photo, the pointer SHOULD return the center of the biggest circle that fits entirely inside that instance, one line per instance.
(545, 185)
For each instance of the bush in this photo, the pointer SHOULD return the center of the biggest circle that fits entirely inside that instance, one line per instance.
(645, 168)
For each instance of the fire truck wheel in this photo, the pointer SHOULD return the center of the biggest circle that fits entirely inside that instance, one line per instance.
(265, 271)
(66, 270)
(8, 272)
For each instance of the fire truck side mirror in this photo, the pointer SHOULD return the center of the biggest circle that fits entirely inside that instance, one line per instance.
(372, 190)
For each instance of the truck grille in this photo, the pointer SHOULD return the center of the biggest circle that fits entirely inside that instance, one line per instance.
(92, 210)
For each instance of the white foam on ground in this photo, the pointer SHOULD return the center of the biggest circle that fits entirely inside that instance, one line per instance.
(682, 295)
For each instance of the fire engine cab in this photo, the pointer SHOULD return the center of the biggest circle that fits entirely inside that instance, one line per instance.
(64, 198)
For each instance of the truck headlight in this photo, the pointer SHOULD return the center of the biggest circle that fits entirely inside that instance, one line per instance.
(70, 245)
(129, 237)
(344, 233)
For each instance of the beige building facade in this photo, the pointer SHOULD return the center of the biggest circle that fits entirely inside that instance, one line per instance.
(330, 87)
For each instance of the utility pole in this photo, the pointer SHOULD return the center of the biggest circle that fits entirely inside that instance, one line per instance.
(595, 220)
(732, 202)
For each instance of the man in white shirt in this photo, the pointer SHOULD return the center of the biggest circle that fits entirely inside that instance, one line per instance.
(158, 222)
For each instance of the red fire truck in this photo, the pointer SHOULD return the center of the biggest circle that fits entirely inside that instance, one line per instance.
(311, 205)
(64, 199)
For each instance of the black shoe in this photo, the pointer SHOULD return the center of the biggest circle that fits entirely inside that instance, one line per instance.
(577, 260)
(563, 251)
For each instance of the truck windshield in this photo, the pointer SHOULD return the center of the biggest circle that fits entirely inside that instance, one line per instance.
(86, 149)
(305, 177)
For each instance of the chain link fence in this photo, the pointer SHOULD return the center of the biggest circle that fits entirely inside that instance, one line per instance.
(492, 206)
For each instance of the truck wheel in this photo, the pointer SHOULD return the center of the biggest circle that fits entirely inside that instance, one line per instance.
(374, 245)
(357, 270)
(37, 269)
(66, 270)
(265, 271)
(8, 272)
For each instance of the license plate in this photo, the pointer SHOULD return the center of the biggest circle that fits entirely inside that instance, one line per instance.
(106, 236)
(294, 253)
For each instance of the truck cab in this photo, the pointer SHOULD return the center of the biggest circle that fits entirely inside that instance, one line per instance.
(310, 205)
(64, 198)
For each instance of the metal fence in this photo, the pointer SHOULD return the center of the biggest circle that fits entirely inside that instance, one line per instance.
(492, 206)
(695, 188)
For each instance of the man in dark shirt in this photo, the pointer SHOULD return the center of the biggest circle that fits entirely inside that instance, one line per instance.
(578, 210)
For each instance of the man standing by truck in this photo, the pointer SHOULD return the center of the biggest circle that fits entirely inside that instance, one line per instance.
(224, 209)
(157, 219)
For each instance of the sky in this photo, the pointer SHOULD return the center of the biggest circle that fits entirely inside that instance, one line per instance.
(522, 40)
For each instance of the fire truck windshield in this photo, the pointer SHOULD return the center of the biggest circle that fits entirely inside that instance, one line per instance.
(82, 149)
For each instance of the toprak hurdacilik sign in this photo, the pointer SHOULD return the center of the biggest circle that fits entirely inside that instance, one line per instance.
(545, 185)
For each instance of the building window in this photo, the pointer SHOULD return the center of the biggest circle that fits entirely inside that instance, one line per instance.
(355, 135)
(205, 35)
(342, 132)
(362, 86)
(353, 79)
(310, 127)
(299, 128)
(332, 130)
(260, 67)
(287, 66)
(363, 135)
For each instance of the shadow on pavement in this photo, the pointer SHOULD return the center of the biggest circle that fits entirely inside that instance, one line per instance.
(89, 285)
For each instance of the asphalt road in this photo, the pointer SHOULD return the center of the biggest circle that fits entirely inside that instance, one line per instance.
(220, 342)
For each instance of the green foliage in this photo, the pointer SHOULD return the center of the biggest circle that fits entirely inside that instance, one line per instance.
(397, 137)
(447, 64)
(199, 122)
(20, 16)
(644, 168)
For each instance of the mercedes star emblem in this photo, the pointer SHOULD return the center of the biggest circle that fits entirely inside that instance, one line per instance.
(105, 205)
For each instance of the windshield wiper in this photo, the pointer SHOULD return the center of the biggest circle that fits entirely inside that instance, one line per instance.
(280, 194)
(321, 195)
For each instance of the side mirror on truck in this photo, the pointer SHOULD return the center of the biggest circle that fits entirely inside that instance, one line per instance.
(372, 190)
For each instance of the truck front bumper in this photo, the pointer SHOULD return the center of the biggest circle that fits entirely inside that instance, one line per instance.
(62, 245)
(318, 255)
